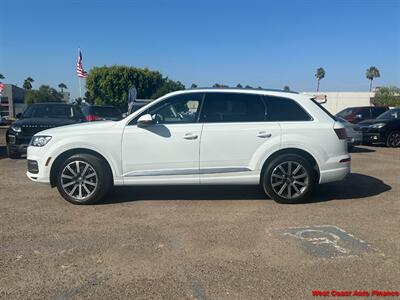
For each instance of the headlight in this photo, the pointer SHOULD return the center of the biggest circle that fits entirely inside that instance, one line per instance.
(40, 140)
(378, 125)
(16, 128)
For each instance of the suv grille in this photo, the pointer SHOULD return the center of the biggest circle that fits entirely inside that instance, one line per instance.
(30, 130)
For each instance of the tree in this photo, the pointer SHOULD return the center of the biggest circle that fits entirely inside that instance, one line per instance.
(110, 85)
(319, 74)
(1, 76)
(168, 87)
(248, 87)
(62, 86)
(239, 86)
(88, 98)
(371, 73)
(193, 86)
(28, 83)
(45, 93)
(286, 88)
(219, 85)
(387, 96)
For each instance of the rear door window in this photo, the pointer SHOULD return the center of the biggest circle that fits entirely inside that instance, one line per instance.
(232, 108)
(284, 109)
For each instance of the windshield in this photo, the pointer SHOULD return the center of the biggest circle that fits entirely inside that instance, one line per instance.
(346, 112)
(107, 112)
(58, 111)
(390, 114)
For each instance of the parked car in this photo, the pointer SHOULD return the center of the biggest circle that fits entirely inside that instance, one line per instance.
(357, 114)
(38, 117)
(354, 135)
(284, 141)
(101, 113)
(5, 118)
(385, 129)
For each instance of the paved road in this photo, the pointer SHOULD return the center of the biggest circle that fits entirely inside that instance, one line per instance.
(202, 242)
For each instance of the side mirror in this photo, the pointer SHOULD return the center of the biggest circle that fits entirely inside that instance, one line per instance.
(145, 120)
(18, 115)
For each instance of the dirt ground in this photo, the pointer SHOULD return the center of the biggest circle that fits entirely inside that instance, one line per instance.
(210, 242)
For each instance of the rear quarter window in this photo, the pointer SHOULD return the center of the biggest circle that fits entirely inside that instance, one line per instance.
(284, 109)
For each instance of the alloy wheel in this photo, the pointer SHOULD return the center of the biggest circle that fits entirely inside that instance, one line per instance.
(79, 180)
(290, 179)
(394, 139)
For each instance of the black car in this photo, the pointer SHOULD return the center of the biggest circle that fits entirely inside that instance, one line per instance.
(38, 117)
(385, 129)
(101, 112)
(360, 113)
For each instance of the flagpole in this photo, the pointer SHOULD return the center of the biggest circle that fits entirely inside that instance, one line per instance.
(80, 87)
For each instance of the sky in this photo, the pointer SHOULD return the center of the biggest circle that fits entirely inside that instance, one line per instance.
(257, 43)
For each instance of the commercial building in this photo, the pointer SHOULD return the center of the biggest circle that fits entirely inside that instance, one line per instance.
(12, 100)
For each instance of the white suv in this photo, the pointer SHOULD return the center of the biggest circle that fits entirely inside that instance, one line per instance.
(284, 141)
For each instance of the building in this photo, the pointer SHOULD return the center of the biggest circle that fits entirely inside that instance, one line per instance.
(65, 97)
(12, 100)
(337, 101)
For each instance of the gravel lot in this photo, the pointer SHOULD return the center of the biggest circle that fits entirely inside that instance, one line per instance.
(207, 242)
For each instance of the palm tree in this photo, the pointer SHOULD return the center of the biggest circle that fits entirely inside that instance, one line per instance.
(28, 83)
(319, 74)
(371, 73)
(2, 76)
(62, 86)
(193, 86)
(286, 88)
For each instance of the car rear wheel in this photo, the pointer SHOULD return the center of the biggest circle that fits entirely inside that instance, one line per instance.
(393, 139)
(84, 179)
(289, 178)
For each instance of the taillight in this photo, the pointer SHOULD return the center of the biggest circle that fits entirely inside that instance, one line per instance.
(341, 133)
(90, 118)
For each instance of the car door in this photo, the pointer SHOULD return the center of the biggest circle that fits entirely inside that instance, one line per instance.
(167, 151)
(235, 137)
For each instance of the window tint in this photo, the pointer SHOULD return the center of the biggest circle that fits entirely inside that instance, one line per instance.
(232, 107)
(376, 111)
(176, 109)
(284, 109)
(50, 111)
(364, 112)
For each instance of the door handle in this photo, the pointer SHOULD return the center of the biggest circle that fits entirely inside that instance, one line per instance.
(190, 136)
(264, 134)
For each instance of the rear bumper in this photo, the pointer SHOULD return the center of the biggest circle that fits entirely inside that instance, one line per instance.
(335, 170)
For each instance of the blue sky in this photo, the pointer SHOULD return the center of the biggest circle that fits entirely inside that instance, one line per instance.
(260, 43)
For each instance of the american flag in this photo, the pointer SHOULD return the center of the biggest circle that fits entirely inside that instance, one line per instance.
(1, 87)
(79, 68)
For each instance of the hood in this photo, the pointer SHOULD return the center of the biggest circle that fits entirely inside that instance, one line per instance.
(43, 122)
(80, 127)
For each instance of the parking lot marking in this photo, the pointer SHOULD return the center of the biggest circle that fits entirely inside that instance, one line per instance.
(327, 241)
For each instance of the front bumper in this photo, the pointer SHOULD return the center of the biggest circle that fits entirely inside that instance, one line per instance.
(39, 171)
(17, 143)
(374, 138)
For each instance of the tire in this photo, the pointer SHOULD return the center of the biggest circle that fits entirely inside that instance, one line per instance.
(393, 139)
(89, 185)
(282, 185)
(13, 154)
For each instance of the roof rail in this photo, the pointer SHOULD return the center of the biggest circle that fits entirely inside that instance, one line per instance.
(243, 88)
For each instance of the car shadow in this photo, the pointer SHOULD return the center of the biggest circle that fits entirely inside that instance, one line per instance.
(356, 186)
(3, 152)
(359, 149)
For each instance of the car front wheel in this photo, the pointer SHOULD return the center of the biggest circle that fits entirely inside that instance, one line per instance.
(84, 179)
(289, 178)
(393, 139)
